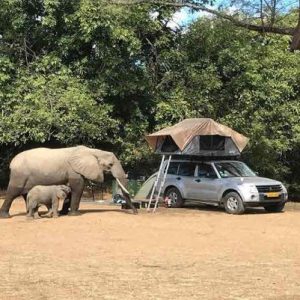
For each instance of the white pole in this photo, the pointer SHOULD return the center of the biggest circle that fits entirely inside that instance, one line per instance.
(156, 182)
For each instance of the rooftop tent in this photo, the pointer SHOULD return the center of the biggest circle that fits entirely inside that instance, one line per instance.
(199, 137)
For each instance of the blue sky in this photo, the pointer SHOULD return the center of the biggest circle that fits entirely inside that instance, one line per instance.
(183, 18)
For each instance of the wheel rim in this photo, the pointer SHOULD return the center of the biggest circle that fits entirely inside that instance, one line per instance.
(232, 203)
(173, 197)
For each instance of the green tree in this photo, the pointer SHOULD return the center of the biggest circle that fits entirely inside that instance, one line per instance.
(247, 82)
(51, 104)
(102, 74)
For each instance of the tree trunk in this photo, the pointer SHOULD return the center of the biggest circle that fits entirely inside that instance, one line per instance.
(295, 44)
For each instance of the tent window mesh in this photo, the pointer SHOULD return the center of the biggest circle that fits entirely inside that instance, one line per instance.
(169, 145)
(212, 142)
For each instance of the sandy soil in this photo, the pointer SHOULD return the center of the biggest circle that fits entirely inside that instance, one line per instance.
(191, 253)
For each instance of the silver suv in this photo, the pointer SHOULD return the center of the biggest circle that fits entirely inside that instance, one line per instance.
(227, 183)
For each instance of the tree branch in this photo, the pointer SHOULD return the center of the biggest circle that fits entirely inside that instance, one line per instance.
(199, 7)
(25, 51)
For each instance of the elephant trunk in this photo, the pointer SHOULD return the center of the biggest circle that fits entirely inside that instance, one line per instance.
(118, 172)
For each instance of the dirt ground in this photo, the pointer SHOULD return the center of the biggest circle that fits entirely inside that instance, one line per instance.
(190, 253)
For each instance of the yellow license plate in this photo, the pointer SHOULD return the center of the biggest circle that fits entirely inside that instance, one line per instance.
(273, 195)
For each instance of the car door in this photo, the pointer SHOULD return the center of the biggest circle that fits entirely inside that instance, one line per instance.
(185, 177)
(205, 184)
(172, 174)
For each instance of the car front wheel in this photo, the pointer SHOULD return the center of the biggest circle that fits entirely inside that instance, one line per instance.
(233, 203)
(175, 197)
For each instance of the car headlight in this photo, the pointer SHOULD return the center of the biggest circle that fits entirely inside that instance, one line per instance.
(284, 190)
(252, 189)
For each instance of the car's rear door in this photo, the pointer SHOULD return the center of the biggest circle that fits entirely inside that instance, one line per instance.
(185, 177)
(172, 173)
(205, 184)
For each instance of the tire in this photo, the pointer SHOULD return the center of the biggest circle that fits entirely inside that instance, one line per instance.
(175, 196)
(277, 207)
(233, 203)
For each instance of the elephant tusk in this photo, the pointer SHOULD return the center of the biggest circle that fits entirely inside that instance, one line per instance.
(122, 186)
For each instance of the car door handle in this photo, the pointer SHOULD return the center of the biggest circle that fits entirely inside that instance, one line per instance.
(178, 178)
(198, 180)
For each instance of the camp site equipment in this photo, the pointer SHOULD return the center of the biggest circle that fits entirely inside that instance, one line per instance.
(201, 137)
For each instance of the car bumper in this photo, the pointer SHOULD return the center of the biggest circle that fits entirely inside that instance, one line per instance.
(263, 200)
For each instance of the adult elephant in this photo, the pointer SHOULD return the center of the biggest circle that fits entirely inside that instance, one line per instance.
(44, 166)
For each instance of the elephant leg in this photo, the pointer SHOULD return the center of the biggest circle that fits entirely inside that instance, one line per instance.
(30, 213)
(30, 209)
(66, 205)
(49, 213)
(55, 203)
(36, 214)
(11, 194)
(77, 190)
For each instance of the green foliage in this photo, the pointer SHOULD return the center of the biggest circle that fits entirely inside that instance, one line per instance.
(254, 89)
(51, 104)
(89, 72)
(173, 110)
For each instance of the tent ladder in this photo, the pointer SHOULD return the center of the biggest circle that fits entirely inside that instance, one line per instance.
(156, 181)
(160, 181)
(165, 172)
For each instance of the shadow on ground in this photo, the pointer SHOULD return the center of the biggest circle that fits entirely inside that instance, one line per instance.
(217, 209)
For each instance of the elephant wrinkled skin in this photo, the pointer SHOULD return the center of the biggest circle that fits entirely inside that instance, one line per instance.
(44, 166)
(48, 195)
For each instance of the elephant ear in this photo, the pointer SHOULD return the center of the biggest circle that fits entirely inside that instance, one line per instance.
(85, 164)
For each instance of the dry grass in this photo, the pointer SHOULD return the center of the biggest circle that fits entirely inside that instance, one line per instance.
(107, 253)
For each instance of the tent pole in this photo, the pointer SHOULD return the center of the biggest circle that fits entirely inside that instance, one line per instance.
(162, 183)
(156, 182)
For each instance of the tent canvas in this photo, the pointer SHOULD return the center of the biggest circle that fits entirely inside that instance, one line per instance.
(198, 136)
(145, 191)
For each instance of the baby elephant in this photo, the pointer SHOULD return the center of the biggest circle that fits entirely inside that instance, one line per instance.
(46, 195)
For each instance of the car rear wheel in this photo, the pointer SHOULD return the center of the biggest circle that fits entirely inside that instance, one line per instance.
(277, 207)
(175, 197)
(233, 203)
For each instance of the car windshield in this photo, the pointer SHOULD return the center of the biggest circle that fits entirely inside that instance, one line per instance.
(233, 169)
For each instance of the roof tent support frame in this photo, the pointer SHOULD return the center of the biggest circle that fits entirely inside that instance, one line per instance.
(162, 174)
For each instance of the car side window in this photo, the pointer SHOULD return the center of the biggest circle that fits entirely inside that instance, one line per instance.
(206, 171)
(186, 169)
(173, 168)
